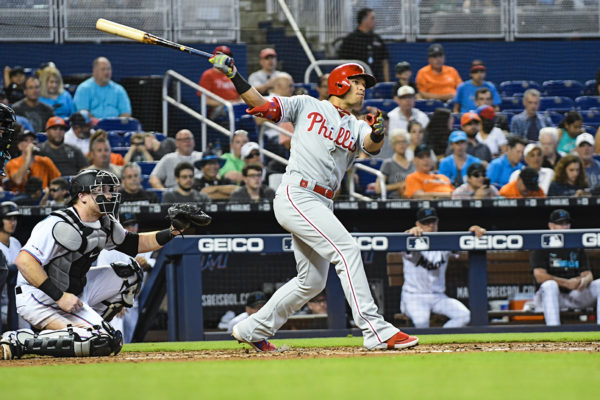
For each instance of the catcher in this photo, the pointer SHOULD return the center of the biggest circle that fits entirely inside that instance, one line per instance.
(8, 135)
(60, 294)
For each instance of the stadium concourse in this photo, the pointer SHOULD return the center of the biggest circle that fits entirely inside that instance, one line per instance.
(484, 150)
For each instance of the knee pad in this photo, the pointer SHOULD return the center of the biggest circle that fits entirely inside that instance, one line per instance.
(133, 276)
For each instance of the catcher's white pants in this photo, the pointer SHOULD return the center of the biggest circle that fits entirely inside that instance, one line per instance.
(319, 239)
(552, 300)
(419, 306)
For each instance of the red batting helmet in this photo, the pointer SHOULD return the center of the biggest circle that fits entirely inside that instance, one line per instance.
(338, 78)
(223, 49)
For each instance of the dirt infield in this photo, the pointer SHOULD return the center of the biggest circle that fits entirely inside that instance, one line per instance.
(297, 353)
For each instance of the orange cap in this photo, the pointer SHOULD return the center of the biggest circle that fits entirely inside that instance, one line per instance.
(55, 121)
(468, 117)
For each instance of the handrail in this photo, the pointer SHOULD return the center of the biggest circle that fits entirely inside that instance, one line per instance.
(315, 64)
(370, 170)
(166, 100)
(261, 141)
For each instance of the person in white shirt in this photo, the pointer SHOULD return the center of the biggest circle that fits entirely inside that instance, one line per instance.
(10, 247)
(489, 134)
(81, 123)
(264, 79)
(400, 116)
(534, 158)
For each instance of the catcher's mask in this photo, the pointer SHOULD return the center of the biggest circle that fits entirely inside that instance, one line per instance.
(102, 186)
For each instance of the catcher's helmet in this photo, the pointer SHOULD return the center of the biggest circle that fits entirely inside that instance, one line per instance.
(101, 183)
(7, 116)
(8, 209)
(338, 82)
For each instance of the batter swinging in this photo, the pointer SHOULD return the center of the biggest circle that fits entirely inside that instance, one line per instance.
(325, 143)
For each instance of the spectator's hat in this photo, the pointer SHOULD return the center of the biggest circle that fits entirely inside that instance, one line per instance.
(584, 138)
(23, 136)
(256, 299)
(477, 65)
(404, 91)
(248, 148)
(55, 121)
(82, 118)
(427, 214)
(560, 215)
(240, 132)
(457, 136)
(208, 157)
(422, 150)
(223, 49)
(403, 66)
(268, 52)
(486, 112)
(475, 168)
(468, 117)
(435, 49)
(530, 147)
(530, 178)
(127, 219)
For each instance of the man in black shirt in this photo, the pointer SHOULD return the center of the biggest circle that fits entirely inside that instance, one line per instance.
(68, 159)
(131, 186)
(562, 276)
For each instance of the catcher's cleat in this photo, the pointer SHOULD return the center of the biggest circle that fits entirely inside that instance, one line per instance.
(261, 346)
(399, 341)
(9, 347)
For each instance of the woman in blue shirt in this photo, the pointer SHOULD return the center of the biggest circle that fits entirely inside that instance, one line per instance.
(54, 94)
(569, 178)
(568, 130)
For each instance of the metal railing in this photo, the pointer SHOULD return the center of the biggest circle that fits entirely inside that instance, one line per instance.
(34, 21)
(208, 21)
(315, 65)
(261, 141)
(351, 186)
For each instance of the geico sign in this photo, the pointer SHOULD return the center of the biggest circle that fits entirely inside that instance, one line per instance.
(590, 239)
(237, 245)
(366, 243)
(496, 242)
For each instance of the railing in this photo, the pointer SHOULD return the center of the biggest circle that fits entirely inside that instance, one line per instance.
(261, 141)
(366, 168)
(34, 21)
(206, 20)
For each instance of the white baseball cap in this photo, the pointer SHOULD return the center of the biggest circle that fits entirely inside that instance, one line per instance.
(405, 91)
(530, 147)
(247, 149)
(584, 138)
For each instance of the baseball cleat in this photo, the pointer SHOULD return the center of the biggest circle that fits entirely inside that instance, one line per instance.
(261, 346)
(9, 348)
(399, 341)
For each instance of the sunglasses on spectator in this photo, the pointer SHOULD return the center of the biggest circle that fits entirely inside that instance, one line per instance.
(253, 175)
(253, 154)
(54, 190)
(477, 174)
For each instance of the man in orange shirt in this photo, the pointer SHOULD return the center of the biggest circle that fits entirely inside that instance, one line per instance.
(526, 185)
(423, 184)
(436, 80)
(29, 164)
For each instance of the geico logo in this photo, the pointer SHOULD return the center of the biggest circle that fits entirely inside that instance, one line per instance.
(372, 243)
(238, 245)
(497, 242)
(590, 239)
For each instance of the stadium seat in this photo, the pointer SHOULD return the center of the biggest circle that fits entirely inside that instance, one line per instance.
(450, 104)
(369, 94)
(248, 124)
(386, 105)
(146, 181)
(556, 103)
(587, 102)
(510, 88)
(566, 88)
(7, 195)
(118, 138)
(119, 124)
(71, 88)
(556, 117)
(383, 90)
(311, 88)
(159, 136)
(365, 178)
(509, 116)
(239, 110)
(591, 117)
(41, 137)
(590, 129)
(428, 105)
(512, 103)
(590, 88)
(147, 166)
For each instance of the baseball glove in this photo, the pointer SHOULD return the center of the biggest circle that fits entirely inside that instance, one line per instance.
(184, 215)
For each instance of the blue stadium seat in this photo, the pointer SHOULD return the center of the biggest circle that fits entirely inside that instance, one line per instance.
(591, 117)
(311, 88)
(383, 90)
(118, 139)
(6, 195)
(239, 110)
(119, 124)
(566, 88)
(369, 94)
(512, 103)
(556, 103)
(556, 117)
(428, 105)
(386, 105)
(71, 88)
(510, 88)
(248, 124)
(146, 181)
(147, 166)
(41, 137)
(450, 105)
(364, 178)
(587, 102)
(160, 136)
(590, 129)
(509, 116)
(590, 88)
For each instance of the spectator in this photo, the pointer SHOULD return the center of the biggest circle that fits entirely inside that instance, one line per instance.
(283, 86)
(14, 83)
(218, 83)
(456, 164)
(549, 142)
(396, 169)
(54, 93)
(417, 134)
(436, 80)
(137, 149)
(477, 185)
(569, 178)
(162, 175)
(568, 130)
(232, 169)
(10, 248)
(423, 183)
(250, 153)
(465, 94)
(323, 87)
(562, 276)
(99, 95)
(253, 191)
(501, 168)
(158, 149)
(533, 158)
(68, 159)
(469, 123)
(115, 158)
(365, 45)
(184, 191)
(29, 164)
(400, 116)
(424, 287)
(489, 134)
(32, 194)
(99, 157)
(264, 79)
(58, 193)
(254, 302)
(403, 75)
(528, 123)
(216, 187)
(526, 185)
(81, 128)
(584, 147)
(131, 186)
(438, 130)
(31, 108)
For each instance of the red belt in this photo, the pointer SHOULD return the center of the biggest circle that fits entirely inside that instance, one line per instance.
(323, 191)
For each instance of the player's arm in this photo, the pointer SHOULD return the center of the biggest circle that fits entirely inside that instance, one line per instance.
(248, 93)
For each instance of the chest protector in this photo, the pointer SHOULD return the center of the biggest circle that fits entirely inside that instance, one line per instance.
(84, 243)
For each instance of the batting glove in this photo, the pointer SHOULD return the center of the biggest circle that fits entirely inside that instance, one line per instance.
(376, 123)
(224, 64)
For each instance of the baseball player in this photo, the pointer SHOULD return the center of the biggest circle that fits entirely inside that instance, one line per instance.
(326, 140)
(58, 293)
(424, 285)
(9, 247)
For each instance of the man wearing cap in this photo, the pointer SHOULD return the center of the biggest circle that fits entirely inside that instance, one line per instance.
(526, 185)
(162, 175)
(234, 163)
(436, 80)
(489, 133)
(31, 107)
(68, 159)
(456, 164)
(214, 81)
(403, 75)
(476, 187)
(213, 185)
(562, 276)
(81, 128)
(584, 147)
(184, 192)
(365, 45)
(423, 183)
(424, 288)
(533, 159)
(501, 168)
(528, 123)
(469, 123)
(465, 93)
(400, 116)
(254, 302)
(263, 80)
(131, 186)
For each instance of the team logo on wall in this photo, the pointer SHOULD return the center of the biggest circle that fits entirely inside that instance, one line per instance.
(286, 244)
(417, 243)
(553, 240)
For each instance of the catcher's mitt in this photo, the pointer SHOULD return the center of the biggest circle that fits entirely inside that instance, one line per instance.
(184, 215)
